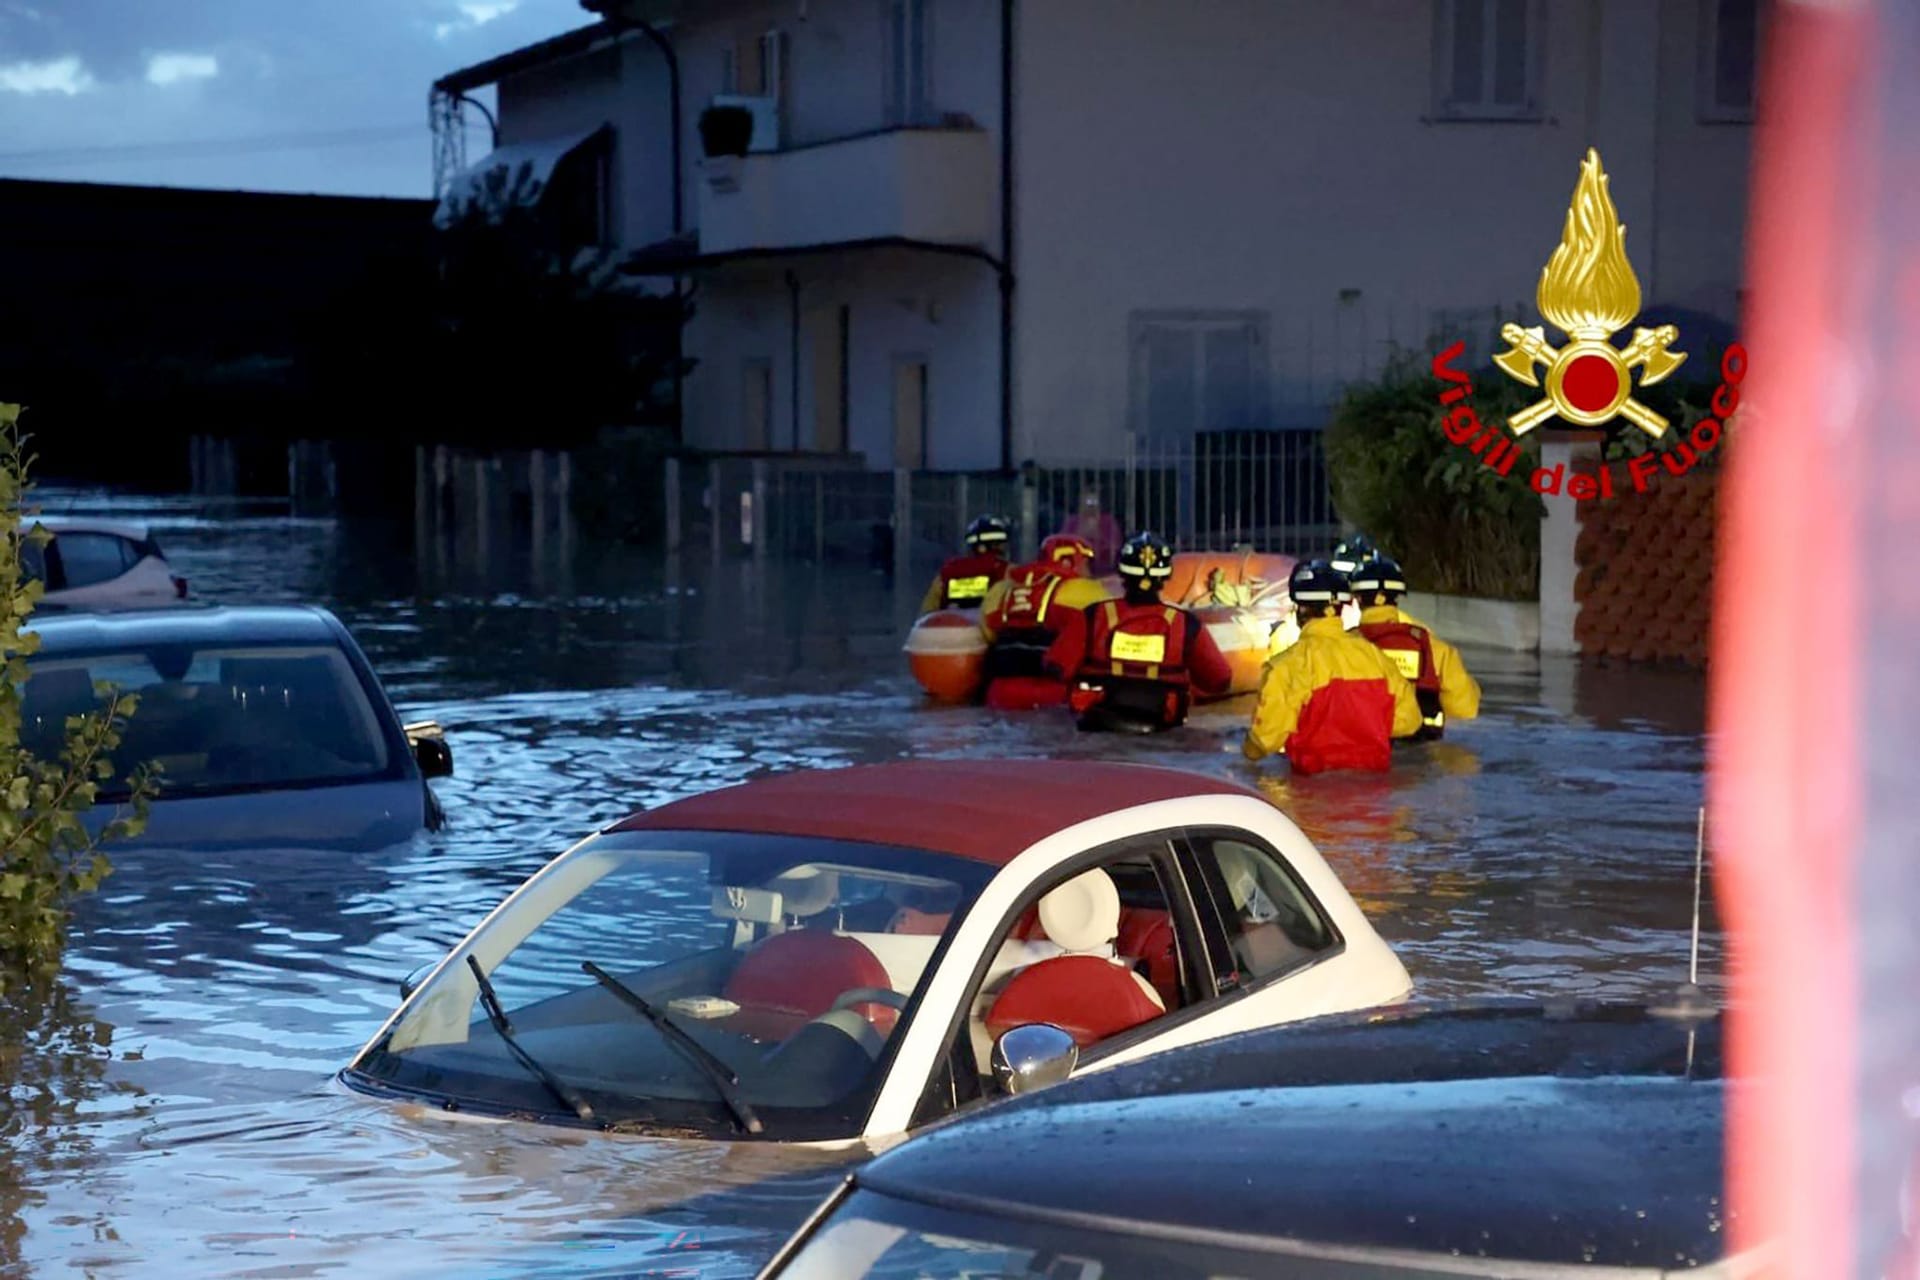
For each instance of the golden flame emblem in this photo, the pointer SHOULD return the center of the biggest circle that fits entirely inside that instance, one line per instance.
(1589, 290)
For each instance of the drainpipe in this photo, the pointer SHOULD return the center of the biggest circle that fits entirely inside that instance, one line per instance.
(1006, 235)
(793, 361)
(621, 21)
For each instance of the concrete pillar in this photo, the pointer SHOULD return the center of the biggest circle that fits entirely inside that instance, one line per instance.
(539, 494)
(1559, 526)
(716, 507)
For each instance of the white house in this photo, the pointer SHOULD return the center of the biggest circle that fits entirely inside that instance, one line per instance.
(973, 232)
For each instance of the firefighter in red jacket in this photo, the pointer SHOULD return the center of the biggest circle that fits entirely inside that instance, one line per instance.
(1330, 700)
(1135, 662)
(963, 581)
(1440, 680)
(1021, 616)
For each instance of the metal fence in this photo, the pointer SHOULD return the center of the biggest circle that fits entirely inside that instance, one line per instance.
(1266, 489)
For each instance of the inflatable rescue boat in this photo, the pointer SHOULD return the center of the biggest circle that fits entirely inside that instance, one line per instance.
(1240, 595)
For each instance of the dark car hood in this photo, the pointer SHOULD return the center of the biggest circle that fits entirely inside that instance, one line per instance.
(1502, 1133)
(354, 817)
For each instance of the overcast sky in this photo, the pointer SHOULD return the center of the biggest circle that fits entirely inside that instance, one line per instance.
(267, 95)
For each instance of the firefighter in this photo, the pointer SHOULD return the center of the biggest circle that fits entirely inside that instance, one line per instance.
(1331, 700)
(1134, 663)
(1440, 679)
(1349, 555)
(1020, 618)
(963, 581)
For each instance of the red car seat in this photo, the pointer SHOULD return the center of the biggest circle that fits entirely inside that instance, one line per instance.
(1147, 934)
(1086, 992)
(785, 981)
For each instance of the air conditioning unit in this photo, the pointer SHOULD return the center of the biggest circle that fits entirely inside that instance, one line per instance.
(766, 118)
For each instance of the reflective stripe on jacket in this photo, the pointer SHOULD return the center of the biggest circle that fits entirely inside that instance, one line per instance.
(963, 581)
(1331, 701)
(1454, 692)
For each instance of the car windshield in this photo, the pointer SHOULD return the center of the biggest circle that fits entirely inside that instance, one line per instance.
(217, 719)
(879, 1237)
(795, 962)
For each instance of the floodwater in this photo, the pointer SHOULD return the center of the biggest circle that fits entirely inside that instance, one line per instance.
(173, 1112)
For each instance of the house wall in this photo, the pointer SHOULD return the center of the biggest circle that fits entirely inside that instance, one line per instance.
(1243, 155)
(625, 86)
(900, 304)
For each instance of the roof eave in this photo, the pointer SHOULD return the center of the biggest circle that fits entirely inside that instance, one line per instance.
(568, 44)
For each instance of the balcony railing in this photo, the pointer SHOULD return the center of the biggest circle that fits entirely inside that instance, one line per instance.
(934, 185)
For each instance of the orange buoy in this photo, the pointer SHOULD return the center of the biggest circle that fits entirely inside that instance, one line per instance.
(948, 655)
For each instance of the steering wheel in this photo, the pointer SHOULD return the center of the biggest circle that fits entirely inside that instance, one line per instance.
(869, 995)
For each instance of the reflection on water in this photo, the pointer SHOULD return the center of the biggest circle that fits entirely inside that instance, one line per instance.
(1546, 847)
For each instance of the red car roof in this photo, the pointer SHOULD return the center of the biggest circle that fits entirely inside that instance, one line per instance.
(990, 810)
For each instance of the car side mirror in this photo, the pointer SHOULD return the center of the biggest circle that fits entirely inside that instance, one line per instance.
(430, 749)
(411, 983)
(1032, 1057)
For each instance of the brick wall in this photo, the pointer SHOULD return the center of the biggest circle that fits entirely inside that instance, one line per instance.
(1645, 582)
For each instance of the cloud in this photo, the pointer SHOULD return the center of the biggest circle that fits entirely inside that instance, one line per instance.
(173, 68)
(58, 75)
(475, 13)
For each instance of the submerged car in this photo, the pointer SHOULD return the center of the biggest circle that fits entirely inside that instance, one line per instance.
(1502, 1140)
(267, 725)
(830, 956)
(89, 563)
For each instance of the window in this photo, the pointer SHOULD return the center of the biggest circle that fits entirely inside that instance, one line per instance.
(1199, 371)
(1729, 54)
(90, 558)
(910, 412)
(578, 201)
(828, 335)
(756, 404)
(219, 719)
(1271, 923)
(783, 957)
(1140, 973)
(909, 66)
(1487, 57)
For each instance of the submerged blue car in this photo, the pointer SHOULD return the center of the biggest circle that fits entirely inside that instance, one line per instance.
(267, 724)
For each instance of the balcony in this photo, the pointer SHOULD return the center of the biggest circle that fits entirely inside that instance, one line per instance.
(935, 185)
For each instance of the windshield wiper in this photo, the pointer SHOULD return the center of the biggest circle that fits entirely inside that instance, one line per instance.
(504, 1029)
(724, 1080)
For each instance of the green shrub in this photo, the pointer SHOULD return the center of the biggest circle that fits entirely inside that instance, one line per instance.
(47, 854)
(1454, 525)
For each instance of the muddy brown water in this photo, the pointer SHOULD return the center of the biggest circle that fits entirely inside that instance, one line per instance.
(173, 1112)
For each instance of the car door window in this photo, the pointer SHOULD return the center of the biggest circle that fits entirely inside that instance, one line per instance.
(1271, 922)
(90, 558)
(1107, 989)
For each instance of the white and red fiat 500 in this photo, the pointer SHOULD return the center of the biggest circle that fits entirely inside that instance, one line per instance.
(833, 956)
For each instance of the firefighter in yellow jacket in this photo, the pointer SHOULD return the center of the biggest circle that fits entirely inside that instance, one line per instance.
(1331, 700)
(1440, 680)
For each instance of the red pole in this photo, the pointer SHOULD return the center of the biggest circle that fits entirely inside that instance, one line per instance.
(1785, 785)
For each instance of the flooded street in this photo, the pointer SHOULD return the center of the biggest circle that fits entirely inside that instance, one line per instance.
(179, 1117)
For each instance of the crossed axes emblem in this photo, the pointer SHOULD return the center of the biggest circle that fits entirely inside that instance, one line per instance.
(1602, 375)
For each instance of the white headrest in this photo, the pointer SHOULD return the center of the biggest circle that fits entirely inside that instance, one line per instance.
(807, 891)
(1084, 913)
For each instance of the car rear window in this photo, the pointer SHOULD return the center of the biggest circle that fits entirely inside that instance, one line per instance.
(90, 558)
(218, 718)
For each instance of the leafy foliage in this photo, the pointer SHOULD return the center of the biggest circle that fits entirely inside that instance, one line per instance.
(48, 853)
(1454, 525)
(519, 335)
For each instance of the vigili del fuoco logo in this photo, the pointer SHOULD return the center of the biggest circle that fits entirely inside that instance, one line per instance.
(1589, 292)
